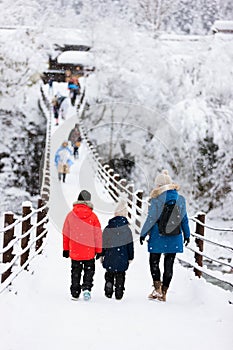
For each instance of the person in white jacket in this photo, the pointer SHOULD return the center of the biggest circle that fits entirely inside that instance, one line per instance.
(63, 160)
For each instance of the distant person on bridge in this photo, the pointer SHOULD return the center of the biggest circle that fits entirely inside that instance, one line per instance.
(74, 88)
(63, 160)
(60, 107)
(168, 228)
(75, 139)
(55, 110)
(82, 241)
(50, 83)
(118, 251)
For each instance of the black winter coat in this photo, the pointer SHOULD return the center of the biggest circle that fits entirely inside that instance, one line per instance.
(118, 246)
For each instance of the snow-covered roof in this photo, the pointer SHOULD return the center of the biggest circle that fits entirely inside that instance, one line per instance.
(76, 57)
(223, 26)
(177, 37)
(66, 36)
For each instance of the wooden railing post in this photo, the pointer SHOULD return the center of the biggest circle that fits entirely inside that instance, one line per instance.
(139, 195)
(81, 100)
(105, 169)
(40, 216)
(111, 173)
(200, 230)
(8, 237)
(116, 178)
(130, 188)
(123, 183)
(26, 225)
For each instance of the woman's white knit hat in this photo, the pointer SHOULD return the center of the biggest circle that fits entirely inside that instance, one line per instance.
(163, 179)
(121, 208)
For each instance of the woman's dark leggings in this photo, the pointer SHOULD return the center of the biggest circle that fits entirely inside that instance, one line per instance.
(169, 259)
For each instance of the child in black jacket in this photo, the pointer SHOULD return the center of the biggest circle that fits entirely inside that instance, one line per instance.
(118, 251)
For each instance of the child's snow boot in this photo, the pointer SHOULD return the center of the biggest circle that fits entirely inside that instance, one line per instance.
(75, 295)
(157, 292)
(108, 289)
(119, 294)
(86, 295)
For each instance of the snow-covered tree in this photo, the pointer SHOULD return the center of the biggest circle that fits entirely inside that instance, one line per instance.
(151, 13)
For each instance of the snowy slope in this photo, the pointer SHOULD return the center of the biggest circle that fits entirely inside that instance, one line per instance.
(39, 314)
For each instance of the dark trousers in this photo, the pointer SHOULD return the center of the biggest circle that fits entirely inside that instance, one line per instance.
(75, 152)
(169, 259)
(73, 95)
(116, 279)
(88, 269)
(60, 175)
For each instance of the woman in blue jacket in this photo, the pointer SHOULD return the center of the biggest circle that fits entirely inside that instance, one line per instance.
(117, 252)
(158, 243)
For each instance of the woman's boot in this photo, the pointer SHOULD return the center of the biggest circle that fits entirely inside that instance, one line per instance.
(157, 292)
(164, 293)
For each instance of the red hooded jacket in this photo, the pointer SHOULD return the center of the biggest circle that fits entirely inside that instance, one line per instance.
(82, 234)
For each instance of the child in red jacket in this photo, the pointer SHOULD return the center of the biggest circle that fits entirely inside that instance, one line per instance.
(82, 240)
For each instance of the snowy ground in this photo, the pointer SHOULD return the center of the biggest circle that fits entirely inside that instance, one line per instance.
(37, 312)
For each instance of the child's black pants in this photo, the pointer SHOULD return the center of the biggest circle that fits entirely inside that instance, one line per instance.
(116, 279)
(88, 269)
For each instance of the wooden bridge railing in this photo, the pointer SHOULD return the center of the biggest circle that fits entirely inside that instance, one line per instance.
(208, 255)
(22, 239)
(45, 107)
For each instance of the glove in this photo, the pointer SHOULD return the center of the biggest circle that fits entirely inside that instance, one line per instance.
(98, 255)
(142, 239)
(66, 253)
(186, 241)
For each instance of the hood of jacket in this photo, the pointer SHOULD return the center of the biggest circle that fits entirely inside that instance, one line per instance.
(159, 190)
(88, 203)
(83, 209)
(117, 221)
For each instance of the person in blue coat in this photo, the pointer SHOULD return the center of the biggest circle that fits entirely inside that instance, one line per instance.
(117, 252)
(74, 88)
(158, 244)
